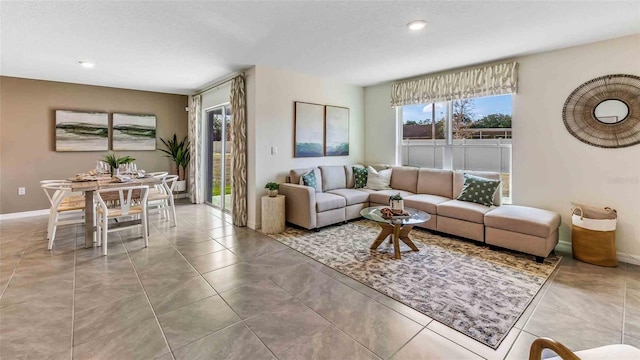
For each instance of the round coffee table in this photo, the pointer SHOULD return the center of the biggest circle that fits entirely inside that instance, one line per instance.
(399, 228)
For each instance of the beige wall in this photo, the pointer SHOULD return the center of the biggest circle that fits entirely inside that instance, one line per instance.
(270, 123)
(27, 133)
(550, 167)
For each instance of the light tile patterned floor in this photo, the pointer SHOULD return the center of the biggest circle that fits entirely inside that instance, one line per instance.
(208, 290)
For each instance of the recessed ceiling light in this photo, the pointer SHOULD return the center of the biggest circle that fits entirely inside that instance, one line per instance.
(417, 24)
(86, 64)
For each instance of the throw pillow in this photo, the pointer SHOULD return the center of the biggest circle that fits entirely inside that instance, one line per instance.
(478, 190)
(360, 177)
(309, 179)
(378, 180)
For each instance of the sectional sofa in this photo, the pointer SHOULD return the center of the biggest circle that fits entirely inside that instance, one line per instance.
(335, 200)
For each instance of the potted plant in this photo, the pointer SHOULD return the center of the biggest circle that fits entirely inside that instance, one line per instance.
(179, 153)
(272, 188)
(396, 203)
(115, 161)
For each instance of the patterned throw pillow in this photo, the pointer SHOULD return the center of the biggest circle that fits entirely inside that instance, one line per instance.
(478, 190)
(360, 177)
(309, 179)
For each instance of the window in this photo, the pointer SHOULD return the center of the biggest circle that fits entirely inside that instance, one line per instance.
(467, 134)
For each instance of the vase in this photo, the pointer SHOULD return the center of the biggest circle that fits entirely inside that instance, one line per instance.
(397, 205)
(272, 193)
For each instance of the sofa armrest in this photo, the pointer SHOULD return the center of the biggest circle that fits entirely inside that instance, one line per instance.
(300, 204)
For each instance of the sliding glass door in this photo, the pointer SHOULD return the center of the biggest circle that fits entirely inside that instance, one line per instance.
(219, 162)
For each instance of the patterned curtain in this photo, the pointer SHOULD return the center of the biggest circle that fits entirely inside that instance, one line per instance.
(195, 140)
(239, 151)
(484, 81)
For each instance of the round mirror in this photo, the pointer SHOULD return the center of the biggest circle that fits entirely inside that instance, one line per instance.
(611, 111)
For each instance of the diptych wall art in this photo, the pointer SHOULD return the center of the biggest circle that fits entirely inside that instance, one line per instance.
(320, 130)
(134, 132)
(82, 131)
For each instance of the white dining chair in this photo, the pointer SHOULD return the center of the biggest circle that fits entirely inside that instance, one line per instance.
(123, 202)
(65, 209)
(161, 198)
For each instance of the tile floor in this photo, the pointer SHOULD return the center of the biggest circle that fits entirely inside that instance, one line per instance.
(208, 290)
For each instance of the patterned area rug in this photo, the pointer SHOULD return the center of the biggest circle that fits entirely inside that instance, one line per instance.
(476, 291)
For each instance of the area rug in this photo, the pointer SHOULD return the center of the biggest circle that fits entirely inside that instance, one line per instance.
(472, 289)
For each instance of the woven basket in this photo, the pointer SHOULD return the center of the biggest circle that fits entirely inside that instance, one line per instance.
(594, 240)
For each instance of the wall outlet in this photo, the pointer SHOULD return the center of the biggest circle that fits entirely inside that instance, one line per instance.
(22, 191)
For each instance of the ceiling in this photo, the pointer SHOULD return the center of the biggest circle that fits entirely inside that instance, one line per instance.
(180, 46)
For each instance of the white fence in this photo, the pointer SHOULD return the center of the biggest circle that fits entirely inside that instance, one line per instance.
(471, 154)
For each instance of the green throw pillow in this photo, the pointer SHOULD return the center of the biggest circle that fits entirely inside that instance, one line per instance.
(478, 190)
(309, 179)
(360, 177)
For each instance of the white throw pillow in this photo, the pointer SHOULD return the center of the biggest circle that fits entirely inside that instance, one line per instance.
(378, 180)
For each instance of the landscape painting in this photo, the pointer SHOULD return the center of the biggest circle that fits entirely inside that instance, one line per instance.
(309, 129)
(82, 131)
(134, 132)
(336, 131)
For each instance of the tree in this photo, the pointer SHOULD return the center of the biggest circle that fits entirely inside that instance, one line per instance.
(461, 118)
(493, 121)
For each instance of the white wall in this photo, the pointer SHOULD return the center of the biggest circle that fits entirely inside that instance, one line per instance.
(551, 168)
(380, 125)
(271, 124)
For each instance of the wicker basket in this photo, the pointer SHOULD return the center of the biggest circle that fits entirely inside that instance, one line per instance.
(593, 238)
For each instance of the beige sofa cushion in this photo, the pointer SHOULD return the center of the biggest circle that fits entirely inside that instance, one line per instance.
(463, 210)
(326, 201)
(458, 183)
(523, 219)
(295, 176)
(333, 177)
(435, 182)
(425, 202)
(348, 170)
(353, 196)
(404, 178)
(382, 196)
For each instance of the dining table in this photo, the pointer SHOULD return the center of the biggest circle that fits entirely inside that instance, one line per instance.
(90, 184)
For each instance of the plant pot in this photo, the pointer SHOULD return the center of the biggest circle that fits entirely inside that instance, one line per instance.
(181, 185)
(272, 193)
(397, 205)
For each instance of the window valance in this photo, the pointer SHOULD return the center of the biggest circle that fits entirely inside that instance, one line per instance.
(483, 81)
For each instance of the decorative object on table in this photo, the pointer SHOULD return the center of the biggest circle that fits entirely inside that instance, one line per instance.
(179, 153)
(82, 131)
(272, 188)
(593, 234)
(114, 161)
(397, 204)
(336, 124)
(605, 111)
(134, 132)
(389, 214)
(273, 215)
(308, 123)
(426, 280)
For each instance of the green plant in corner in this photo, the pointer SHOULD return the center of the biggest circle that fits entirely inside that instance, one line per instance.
(272, 186)
(178, 152)
(115, 161)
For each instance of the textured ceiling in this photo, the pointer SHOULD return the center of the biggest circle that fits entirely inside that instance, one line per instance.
(179, 46)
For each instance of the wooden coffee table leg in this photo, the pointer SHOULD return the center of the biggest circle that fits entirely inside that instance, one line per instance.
(385, 231)
(404, 236)
(396, 236)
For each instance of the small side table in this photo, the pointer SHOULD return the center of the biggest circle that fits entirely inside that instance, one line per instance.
(273, 214)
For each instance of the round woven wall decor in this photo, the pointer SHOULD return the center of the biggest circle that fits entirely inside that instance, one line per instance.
(605, 111)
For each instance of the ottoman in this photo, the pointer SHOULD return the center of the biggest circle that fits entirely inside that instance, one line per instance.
(522, 228)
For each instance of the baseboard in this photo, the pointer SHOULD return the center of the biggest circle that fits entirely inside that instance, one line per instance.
(24, 214)
(622, 257)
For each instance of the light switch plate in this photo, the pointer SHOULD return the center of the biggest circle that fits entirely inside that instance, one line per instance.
(274, 150)
(22, 191)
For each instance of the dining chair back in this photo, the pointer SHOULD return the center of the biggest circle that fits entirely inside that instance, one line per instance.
(65, 209)
(161, 199)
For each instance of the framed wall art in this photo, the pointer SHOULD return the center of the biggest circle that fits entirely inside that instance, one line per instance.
(82, 131)
(308, 129)
(336, 131)
(134, 132)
